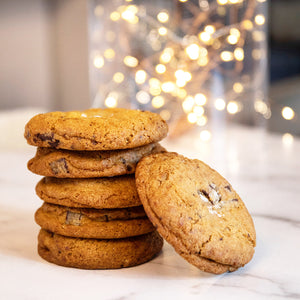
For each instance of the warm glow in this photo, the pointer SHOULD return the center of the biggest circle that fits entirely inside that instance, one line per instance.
(180, 82)
(140, 76)
(259, 19)
(183, 0)
(192, 118)
(98, 61)
(220, 104)
(193, 51)
(287, 113)
(222, 2)
(247, 24)
(109, 54)
(162, 30)
(202, 121)
(205, 135)
(202, 61)
(163, 17)
(204, 36)
(181, 93)
(111, 101)
(239, 54)
(232, 107)
(287, 139)
(167, 55)
(200, 99)
(235, 32)
(154, 89)
(258, 36)
(188, 104)
(179, 74)
(210, 29)
(160, 68)
(226, 55)
(261, 107)
(198, 110)
(118, 77)
(130, 61)
(143, 97)
(232, 39)
(238, 87)
(187, 76)
(115, 16)
(158, 102)
(168, 87)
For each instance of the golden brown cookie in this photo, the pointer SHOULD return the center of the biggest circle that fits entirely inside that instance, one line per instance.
(197, 211)
(95, 129)
(86, 164)
(106, 192)
(98, 254)
(93, 223)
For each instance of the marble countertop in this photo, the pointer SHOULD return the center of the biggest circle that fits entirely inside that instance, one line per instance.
(265, 172)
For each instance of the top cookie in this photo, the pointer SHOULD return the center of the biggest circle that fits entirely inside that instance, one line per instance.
(95, 129)
(197, 211)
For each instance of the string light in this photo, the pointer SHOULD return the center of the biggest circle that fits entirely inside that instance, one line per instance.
(160, 68)
(226, 56)
(259, 19)
(183, 60)
(220, 104)
(98, 61)
(163, 17)
(140, 76)
(287, 113)
(232, 107)
(130, 61)
(118, 77)
(200, 99)
(158, 102)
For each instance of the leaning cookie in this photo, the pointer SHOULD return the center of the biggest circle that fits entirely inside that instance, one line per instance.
(95, 129)
(106, 192)
(93, 223)
(98, 254)
(197, 211)
(86, 164)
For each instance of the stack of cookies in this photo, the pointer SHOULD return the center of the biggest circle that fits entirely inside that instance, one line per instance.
(92, 217)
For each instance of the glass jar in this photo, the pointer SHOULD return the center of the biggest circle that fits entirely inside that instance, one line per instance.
(195, 62)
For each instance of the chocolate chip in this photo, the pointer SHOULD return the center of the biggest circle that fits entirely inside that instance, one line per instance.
(59, 166)
(45, 136)
(123, 160)
(129, 168)
(54, 144)
(221, 239)
(73, 218)
(235, 200)
(227, 187)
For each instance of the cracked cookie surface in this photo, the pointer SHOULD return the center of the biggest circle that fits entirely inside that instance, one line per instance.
(106, 192)
(98, 253)
(93, 223)
(197, 211)
(86, 164)
(95, 129)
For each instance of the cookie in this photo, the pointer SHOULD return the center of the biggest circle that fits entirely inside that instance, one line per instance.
(197, 211)
(106, 192)
(95, 129)
(98, 254)
(86, 164)
(93, 223)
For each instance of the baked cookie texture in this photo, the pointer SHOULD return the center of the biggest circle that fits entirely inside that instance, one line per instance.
(93, 223)
(197, 211)
(95, 129)
(97, 253)
(86, 164)
(106, 192)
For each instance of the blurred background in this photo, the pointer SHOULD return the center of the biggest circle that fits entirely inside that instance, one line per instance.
(58, 54)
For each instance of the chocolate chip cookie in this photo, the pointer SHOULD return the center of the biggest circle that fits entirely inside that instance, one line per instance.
(93, 223)
(106, 192)
(95, 129)
(197, 211)
(96, 253)
(85, 164)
